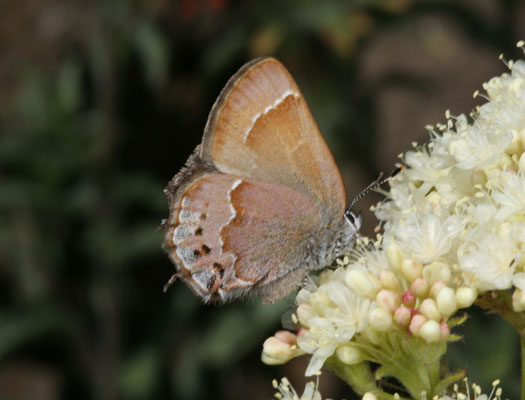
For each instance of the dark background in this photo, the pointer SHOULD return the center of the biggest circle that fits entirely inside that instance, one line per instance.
(101, 102)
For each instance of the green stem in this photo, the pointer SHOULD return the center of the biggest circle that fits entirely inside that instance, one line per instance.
(410, 360)
(522, 342)
(359, 377)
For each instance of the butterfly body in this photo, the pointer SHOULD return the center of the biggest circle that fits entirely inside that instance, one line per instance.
(260, 202)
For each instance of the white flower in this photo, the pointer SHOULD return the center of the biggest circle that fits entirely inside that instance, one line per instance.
(425, 167)
(287, 392)
(426, 237)
(478, 145)
(461, 199)
(488, 259)
(476, 394)
(509, 196)
(454, 227)
(332, 314)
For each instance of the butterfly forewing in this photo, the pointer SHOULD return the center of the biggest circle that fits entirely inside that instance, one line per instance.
(262, 128)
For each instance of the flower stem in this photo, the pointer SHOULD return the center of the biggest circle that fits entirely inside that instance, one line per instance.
(522, 342)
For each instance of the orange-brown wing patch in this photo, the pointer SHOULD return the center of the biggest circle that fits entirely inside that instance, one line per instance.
(261, 127)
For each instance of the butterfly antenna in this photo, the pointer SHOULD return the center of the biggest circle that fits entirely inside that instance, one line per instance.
(375, 183)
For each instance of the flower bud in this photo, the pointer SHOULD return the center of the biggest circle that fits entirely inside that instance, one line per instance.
(402, 316)
(305, 313)
(363, 283)
(373, 336)
(349, 354)
(466, 296)
(445, 331)
(521, 162)
(419, 287)
(320, 301)
(411, 269)
(446, 301)
(518, 300)
(369, 396)
(380, 319)
(286, 337)
(409, 299)
(416, 323)
(389, 280)
(436, 287)
(394, 256)
(437, 271)
(388, 300)
(429, 309)
(430, 331)
(280, 348)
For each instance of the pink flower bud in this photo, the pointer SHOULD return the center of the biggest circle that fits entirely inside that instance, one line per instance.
(277, 351)
(409, 299)
(286, 337)
(402, 316)
(445, 331)
(416, 323)
(388, 300)
(436, 287)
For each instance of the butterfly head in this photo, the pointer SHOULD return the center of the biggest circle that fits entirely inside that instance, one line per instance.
(353, 219)
(348, 229)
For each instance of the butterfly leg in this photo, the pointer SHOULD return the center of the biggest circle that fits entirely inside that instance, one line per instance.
(170, 282)
(162, 225)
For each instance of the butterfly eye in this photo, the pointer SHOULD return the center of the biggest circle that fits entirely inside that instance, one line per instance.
(352, 218)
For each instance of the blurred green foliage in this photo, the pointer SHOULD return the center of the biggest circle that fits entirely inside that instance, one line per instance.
(101, 103)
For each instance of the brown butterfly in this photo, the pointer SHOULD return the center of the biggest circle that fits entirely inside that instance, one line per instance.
(261, 201)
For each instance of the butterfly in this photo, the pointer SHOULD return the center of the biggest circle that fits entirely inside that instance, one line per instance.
(260, 202)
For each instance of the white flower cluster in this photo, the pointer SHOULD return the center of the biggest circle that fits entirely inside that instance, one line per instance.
(458, 393)
(460, 202)
(454, 227)
(285, 391)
